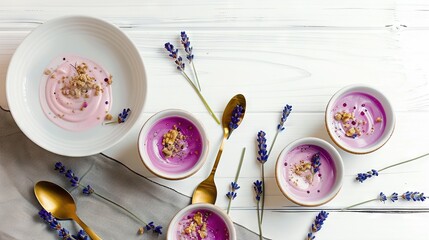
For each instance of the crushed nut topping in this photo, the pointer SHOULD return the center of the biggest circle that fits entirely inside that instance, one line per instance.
(80, 84)
(173, 142)
(197, 224)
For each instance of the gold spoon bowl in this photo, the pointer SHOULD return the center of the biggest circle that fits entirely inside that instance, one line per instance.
(206, 191)
(60, 204)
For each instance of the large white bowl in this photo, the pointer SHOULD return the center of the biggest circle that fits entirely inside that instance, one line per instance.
(205, 207)
(90, 38)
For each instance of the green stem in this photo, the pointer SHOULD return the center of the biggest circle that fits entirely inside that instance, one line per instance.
(201, 97)
(359, 204)
(236, 176)
(196, 76)
(259, 222)
(274, 140)
(263, 178)
(416, 158)
(229, 206)
(123, 208)
(263, 192)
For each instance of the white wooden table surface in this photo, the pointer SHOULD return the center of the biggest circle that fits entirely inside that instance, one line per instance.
(276, 52)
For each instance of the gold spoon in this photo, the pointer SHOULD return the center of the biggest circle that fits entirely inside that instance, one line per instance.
(206, 191)
(60, 204)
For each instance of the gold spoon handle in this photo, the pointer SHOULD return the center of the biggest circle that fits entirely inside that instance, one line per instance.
(219, 154)
(88, 230)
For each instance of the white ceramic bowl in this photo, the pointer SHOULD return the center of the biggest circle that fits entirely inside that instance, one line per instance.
(326, 183)
(150, 145)
(209, 208)
(338, 133)
(90, 38)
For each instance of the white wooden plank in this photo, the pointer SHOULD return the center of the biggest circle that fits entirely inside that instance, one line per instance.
(287, 66)
(213, 14)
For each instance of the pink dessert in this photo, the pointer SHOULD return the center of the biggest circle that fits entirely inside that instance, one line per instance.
(358, 120)
(174, 144)
(201, 224)
(75, 93)
(309, 172)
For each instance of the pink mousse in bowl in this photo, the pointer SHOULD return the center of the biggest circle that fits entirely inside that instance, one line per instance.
(201, 221)
(359, 119)
(173, 144)
(309, 172)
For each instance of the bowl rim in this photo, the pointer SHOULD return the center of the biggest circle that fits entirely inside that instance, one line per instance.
(388, 110)
(206, 206)
(145, 129)
(336, 158)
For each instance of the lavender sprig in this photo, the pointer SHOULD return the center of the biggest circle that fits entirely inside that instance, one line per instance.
(262, 148)
(318, 222)
(234, 185)
(258, 189)
(189, 55)
(262, 158)
(285, 114)
(55, 225)
(88, 190)
(236, 117)
(181, 67)
(407, 196)
(361, 177)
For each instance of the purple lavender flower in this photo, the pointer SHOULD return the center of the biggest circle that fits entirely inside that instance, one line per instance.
(394, 197)
(187, 45)
(173, 54)
(74, 180)
(155, 229)
(60, 167)
(257, 187)
(310, 236)
(81, 235)
(363, 176)
(234, 186)
(231, 195)
(318, 222)
(286, 111)
(382, 197)
(64, 234)
(123, 116)
(315, 163)
(55, 225)
(236, 115)
(88, 190)
(262, 147)
(415, 196)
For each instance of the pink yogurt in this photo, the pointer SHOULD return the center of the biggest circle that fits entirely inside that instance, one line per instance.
(67, 112)
(322, 181)
(189, 155)
(369, 119)
(216, 226)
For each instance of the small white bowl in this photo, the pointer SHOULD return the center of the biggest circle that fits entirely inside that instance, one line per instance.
(195, 147)
(173, 228)
(324, 184)
(368, 105)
